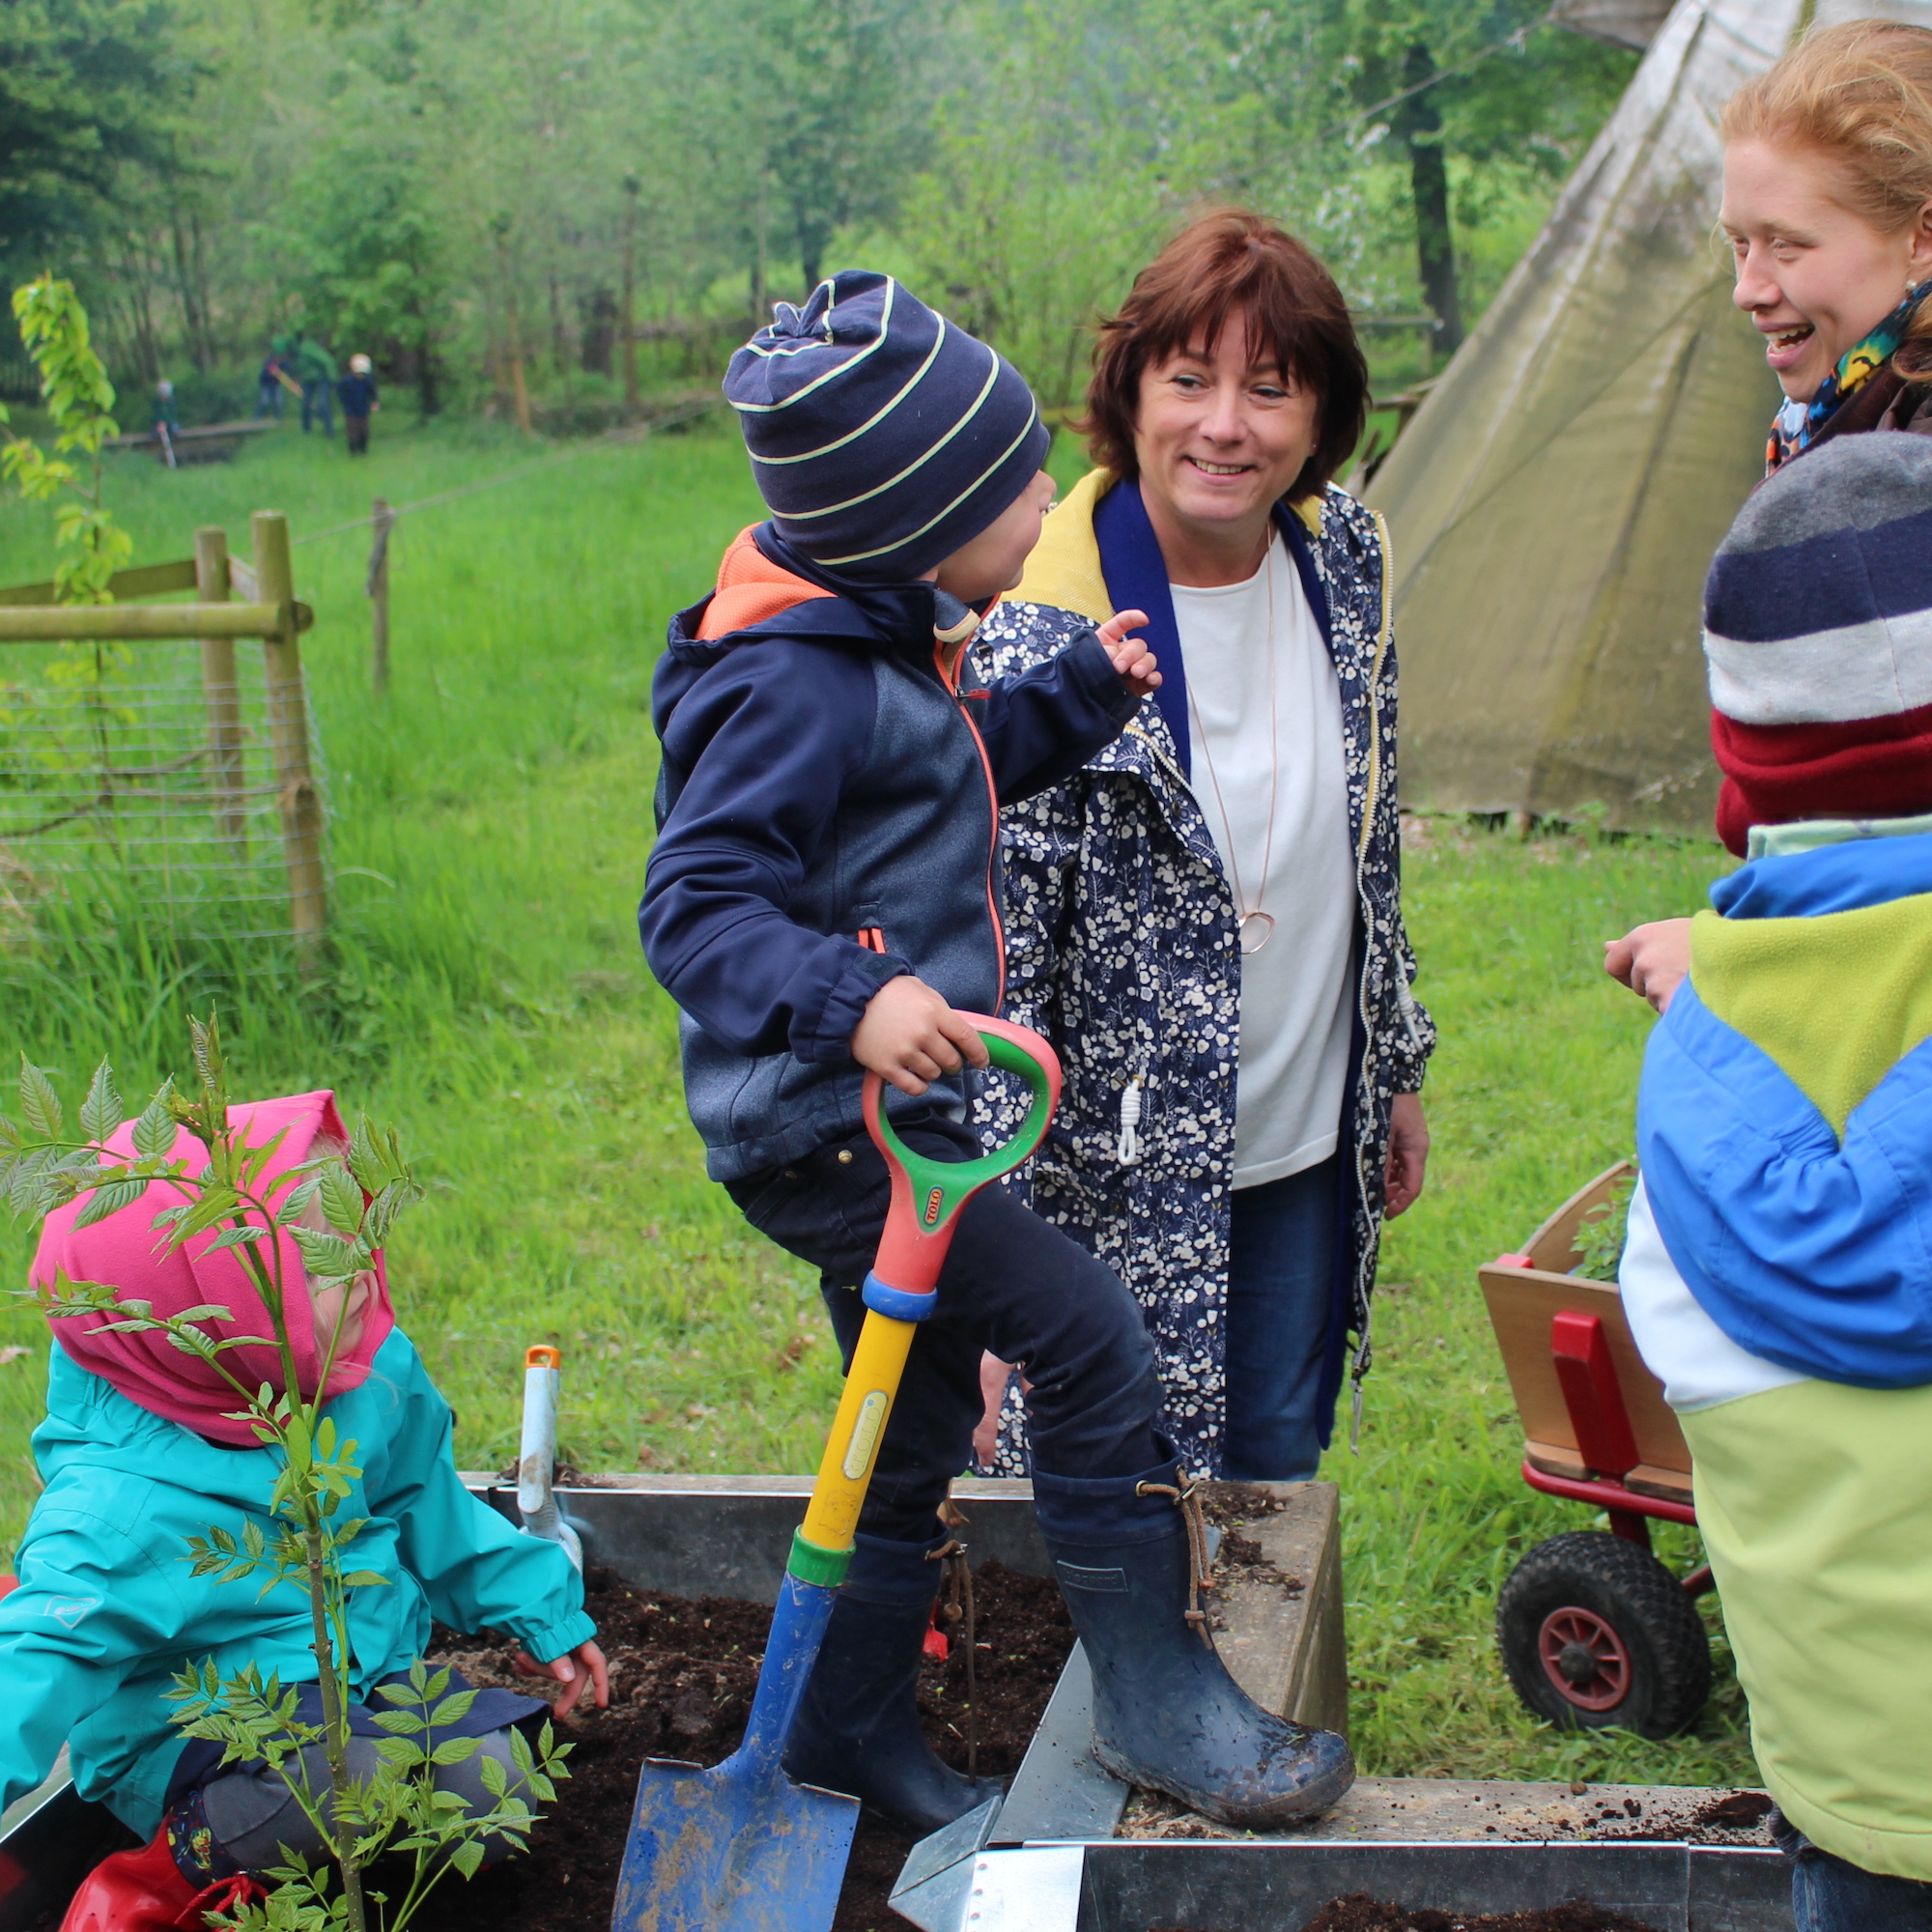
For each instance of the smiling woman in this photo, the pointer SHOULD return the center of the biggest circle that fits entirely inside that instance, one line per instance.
(1206, 920)
(1828, 206)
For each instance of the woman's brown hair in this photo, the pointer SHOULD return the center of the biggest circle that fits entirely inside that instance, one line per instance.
(1225, 265)
(1861, 93)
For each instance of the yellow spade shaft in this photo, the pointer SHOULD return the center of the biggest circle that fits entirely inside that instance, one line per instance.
(846, 1468)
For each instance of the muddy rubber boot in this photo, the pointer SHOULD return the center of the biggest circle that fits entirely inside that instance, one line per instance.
(858, 1728)
(1166, 1713)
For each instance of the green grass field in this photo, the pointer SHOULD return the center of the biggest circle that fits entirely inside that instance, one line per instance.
(491, 822)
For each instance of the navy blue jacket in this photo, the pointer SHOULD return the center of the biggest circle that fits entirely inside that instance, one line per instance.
(828, 819)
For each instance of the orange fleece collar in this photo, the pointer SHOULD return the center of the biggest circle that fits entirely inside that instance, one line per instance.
(751, 587)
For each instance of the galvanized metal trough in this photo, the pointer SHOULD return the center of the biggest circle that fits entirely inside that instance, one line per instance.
(1071, 1849)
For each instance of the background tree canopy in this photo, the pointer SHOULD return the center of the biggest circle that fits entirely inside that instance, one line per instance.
(442, 184)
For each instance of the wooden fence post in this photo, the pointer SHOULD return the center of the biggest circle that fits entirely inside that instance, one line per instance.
(288, 715)
(384, 521)
(219, 688)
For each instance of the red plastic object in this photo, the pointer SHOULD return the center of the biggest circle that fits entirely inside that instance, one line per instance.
(9, 1583)
(144, 1892)
(1513, 1261)
(1590, 1393)
(936, 1644)
(1585, 1658)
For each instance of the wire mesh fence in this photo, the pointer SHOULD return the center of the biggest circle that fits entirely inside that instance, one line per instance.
(147, 775)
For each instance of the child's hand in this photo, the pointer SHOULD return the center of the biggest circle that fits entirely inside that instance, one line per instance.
(580, 1666)
(1652, 960)
(909, 1036)
(1134, 662)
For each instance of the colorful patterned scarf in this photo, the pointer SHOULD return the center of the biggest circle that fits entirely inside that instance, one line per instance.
(1794, 427)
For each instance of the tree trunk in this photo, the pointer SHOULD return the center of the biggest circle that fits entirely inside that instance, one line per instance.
(203, 298)
(518, 387)
(184, 281)
(1419, 122)
(559, 339)
(429, 396)
(760, 305)
(628, 319)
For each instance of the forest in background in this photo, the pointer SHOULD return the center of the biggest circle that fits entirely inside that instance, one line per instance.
(480, 195)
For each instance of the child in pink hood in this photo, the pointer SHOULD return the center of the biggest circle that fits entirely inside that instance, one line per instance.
(141, 1450)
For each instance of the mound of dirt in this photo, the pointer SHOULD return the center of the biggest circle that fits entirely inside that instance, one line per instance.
(1359, 1913)
(683, 1671)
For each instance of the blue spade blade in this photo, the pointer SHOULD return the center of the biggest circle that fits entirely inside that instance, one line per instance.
(740, 1848)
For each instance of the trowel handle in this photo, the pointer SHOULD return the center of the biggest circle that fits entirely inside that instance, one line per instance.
(902, 1289)
(536, 1454)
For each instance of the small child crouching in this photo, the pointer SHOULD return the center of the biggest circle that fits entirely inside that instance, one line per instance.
(141, 1450)
(1778, 1271)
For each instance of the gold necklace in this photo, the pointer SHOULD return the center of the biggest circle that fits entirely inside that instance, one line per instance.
(1254, 926)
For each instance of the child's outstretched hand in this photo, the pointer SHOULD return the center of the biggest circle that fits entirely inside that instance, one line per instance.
(573, 1671)
(1134, 662)
(909, 1035)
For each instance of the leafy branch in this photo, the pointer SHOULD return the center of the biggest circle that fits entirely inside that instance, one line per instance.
(79, 397)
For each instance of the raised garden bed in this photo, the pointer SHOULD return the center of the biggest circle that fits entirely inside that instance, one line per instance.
(1070, 1849)
(682, 1674)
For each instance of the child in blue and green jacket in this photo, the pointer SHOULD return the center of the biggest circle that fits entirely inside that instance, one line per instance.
(141, 1450)
(1778, 1269)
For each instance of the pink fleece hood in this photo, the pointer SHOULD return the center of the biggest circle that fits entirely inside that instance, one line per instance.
(128, 1252)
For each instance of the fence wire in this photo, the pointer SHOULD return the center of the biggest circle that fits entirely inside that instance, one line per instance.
(138, 774)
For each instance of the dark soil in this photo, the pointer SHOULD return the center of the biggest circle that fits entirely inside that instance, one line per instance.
(1360, 1913)
(683, 1671)
(1740, 1812)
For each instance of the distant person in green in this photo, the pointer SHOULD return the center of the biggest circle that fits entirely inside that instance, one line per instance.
(316, 371)
(357, 392)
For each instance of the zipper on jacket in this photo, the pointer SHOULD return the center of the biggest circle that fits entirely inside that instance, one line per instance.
(872, 938)
(950, 681)
(1358, 1367)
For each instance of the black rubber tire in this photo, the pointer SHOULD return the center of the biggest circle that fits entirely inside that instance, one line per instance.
(1612, 1579)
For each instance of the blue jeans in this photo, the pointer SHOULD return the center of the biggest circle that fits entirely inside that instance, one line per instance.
(1013, 1284)
(318, 400)
(1281, 1291)
(1830, 1894)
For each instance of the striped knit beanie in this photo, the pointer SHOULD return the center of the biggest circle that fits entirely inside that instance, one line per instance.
(1818, 635)
(882, 437)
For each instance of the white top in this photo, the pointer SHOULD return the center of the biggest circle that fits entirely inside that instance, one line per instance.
(1698, 1363)
(1295, 989)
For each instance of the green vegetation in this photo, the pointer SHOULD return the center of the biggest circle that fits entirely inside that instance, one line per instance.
(550, 208)
(491, 827)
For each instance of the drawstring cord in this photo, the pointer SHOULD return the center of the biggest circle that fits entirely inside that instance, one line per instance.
(958, 1608)
(1186, 1498)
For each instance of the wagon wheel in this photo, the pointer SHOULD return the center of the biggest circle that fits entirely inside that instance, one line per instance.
(1594, 1632)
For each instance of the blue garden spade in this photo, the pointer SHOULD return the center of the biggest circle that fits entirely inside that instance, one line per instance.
(740, 1848)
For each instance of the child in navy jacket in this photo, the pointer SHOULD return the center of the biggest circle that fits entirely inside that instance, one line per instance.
(823, 901)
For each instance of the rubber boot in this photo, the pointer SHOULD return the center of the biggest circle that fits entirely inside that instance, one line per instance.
(1166, 1713)
(857, 1729)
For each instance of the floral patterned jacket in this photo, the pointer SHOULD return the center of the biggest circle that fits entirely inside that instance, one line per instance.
(1122, 951)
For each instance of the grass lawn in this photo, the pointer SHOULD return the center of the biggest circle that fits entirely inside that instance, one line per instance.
(491, 822)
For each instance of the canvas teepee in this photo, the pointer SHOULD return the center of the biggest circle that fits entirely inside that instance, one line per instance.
(1555, 503)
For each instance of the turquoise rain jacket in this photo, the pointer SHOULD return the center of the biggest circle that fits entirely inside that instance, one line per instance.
(107, 1610)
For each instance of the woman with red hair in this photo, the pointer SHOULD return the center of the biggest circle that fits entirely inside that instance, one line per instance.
(1206, 920)
(1827, 209)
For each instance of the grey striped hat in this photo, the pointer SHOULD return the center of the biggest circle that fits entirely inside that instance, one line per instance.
(882, 438)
